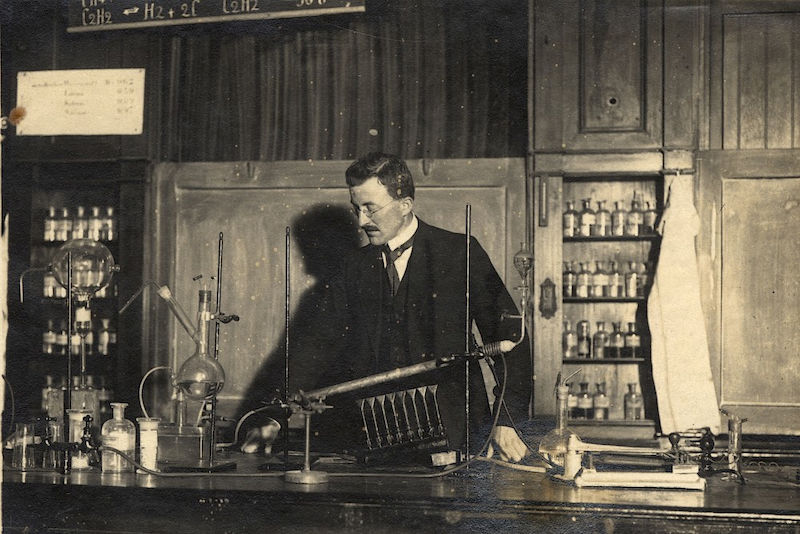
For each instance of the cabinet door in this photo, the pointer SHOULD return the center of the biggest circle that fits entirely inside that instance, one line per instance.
(749, 249)
(599, 64)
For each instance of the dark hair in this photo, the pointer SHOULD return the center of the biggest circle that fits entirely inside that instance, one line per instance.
(390, 170)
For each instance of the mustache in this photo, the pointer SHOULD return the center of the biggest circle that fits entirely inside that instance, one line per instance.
(369, 227)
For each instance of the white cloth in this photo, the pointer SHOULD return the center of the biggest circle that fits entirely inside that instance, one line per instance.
(680, 356)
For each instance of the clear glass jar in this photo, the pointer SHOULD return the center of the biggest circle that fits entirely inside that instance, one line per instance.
(600, 402)
(600, 341)
(584, 281)
(602, 225)
(584, 340)
(616, 287)
(632, 280)
(80, 224)
(568, 280)
(585, 409)
(120, 434)
(633, 342)
(570, 220)
(618, 218)
(569, 342)
(49, 234)
(599, 281)
(634, 404)
(633, 220)
(616, 341)
(588, 218)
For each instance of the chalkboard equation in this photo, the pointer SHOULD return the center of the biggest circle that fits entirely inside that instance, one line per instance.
(96, 15)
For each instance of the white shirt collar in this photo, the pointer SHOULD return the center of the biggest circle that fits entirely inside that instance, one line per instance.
(405, 234)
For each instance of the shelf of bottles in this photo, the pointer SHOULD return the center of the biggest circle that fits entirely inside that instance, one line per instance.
(610, 245)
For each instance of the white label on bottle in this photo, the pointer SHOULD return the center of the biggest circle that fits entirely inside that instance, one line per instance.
(584, 402)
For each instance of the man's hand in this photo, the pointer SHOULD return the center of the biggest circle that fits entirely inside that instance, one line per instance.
(509, 446)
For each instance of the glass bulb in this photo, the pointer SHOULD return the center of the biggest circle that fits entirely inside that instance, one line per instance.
(200, 377)
(92, 266)
(523, 261)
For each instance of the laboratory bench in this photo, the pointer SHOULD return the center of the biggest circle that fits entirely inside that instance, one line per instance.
(485, 497)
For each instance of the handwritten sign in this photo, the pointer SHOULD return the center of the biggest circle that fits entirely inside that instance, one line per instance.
(95, 15)
(81, 102)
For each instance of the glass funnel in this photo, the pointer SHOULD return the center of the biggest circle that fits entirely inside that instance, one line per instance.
(92, 266)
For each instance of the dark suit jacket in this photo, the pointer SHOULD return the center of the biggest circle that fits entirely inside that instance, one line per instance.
(344, 343)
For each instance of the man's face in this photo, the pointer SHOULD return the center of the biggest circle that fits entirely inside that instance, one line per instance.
(379, 215)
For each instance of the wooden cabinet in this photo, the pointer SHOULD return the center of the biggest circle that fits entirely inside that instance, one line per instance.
(748, 250)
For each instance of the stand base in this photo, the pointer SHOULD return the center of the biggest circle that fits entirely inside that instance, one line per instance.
(306, 476)
(199, 467)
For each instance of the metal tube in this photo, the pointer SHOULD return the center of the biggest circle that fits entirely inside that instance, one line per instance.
(373, 380)
(286, 310)
(467, 334)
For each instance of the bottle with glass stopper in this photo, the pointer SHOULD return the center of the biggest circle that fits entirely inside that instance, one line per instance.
(553, 446)
(634, 219)
(584, 402)
(601, 402)
(588, 218)
(615, 281)
(600, 342)
(616, 341)
(569, 279)
(569, 342)
(583, 281)
(634, 404)
(570, 220)
(120, 434)
(602, 225)
(618, 217)
(584, 340)
(649, 217)
(599, 281)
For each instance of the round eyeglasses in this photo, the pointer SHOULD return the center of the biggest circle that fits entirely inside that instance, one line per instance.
(370, 213)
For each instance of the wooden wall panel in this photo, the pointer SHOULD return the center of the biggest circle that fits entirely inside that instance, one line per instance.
(252, 204)
(760, 87)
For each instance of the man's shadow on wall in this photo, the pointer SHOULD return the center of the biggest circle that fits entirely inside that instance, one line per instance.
(323, 235)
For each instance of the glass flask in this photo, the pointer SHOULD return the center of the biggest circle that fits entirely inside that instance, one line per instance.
(92, 266)
(633, 342)
(600, 342)
(120, 434)
(570, 221)
(553, 446)
(618, 217)
(588, 218)
(601, 402)
(615, 281)
(602, 225)
(583, 281)
(634, 404)
(634, 219)
(569, 342)
(569, 279)
(201, 376)
(599, 281)
(584, 340)
(649, 217)
(584, 402)
(616, 341)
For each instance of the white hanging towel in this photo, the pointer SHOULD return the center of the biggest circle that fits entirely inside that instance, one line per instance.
(680, 356)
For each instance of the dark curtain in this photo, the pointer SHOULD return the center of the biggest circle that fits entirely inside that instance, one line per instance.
(435, 80)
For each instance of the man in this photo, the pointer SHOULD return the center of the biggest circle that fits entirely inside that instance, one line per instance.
(400, 300)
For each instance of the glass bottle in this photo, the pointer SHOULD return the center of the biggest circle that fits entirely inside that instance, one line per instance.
(616, 341)
(588, 218)
(55, 401)
(602, 225)
(120, 434)
(95, 224)
(569, 279)
(584, 340)
(634, 404)
(583, 281)
(50, 225)
(633, 220)
(615, 281)
(632, 280)
(618, 217)
(80, 224)
(63, 225)
(600, 341)
(572, 402)
(633, 342)
(584, 402)
(75, 343)
(62, 339)
(569, 342)
(649, 218)
(600, 402)
(104, 395)
(644, 280)
(569, 224)
(553, 446)
(109, 226)
(49, 339)
(49, 385)
(84, 397)
(103, 337)
(599, 281)
(49, 285)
